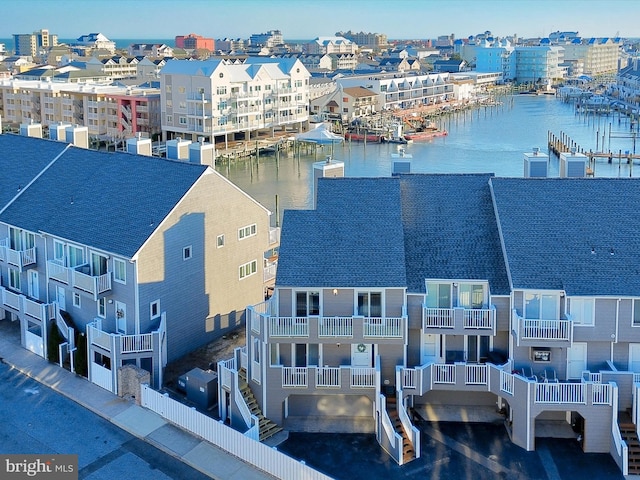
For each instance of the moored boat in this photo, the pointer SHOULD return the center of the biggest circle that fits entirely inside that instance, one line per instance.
(425, 134)
(360, 137)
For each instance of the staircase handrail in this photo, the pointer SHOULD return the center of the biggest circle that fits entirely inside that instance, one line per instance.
(251, 421)
(409, 429)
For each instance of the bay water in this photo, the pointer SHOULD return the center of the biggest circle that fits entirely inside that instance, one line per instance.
(481, 140)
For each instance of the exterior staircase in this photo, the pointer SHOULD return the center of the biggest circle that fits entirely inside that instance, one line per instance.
(408, 451)
(267, 427)
(629, 435)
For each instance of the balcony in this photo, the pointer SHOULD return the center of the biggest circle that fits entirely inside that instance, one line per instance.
(361, 329)
(124, 344)
(343, 377)
(459, 321)
(22, 305)
(542, 333)
(18, 258)
(79, 277)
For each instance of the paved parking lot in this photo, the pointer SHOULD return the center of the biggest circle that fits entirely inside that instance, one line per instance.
(451, 450)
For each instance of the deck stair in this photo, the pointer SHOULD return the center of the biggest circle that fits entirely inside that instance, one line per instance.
(629, 435)
(268, 428)
(408, 450)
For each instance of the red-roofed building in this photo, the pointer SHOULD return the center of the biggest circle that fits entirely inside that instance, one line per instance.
(193, 41)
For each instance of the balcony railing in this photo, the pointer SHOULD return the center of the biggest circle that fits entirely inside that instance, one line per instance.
(289, 326)
(527, 329)
(328, 377)
(124, 344)
(78, 277)
(344, 326)
(388, 327)
(459, 318)
(19, 258)
(335, 327)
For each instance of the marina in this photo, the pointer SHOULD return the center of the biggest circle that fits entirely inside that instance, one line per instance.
(486, 139)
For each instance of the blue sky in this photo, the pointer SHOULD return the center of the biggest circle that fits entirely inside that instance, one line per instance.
(304, 19)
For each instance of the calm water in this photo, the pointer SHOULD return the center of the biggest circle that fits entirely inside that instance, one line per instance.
(491, 140)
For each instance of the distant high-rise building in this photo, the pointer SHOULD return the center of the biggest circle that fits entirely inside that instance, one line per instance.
(31, 44)
(375, 41)
(269, 39)
(195, 42)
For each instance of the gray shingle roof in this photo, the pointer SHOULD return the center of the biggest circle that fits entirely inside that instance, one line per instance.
(450, 231)
(21, 161)
(110, 201)
(398, 231)
(550, 227)
(353, 239)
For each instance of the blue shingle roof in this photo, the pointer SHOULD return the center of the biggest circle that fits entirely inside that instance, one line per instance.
(450, 231)
(21, 161)
(110, 201)
(353, 239)
(550, 227)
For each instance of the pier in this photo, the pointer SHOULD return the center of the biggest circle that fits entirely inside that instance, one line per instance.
(564, 143)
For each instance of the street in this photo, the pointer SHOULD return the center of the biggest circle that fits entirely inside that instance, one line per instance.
(37, 420)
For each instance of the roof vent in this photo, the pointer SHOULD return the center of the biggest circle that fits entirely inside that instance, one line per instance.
(535, 150)
(573, 150)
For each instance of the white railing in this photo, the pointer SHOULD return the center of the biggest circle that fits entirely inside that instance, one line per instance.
(328, 377)
(506, 382)
(262, 456)
(251, 421)
(274, 235)
(136, 343)
(636, 378)
(438, 318)
(621, 447)
(335, 327)
(295, 376)
(226, 369)
(560, 393)
(91, 284)
(390, 327)
(601, 394)
(36, 310)
(101, 376)
(58, 271)
(545, 329)
(478, 318)
(20, 258)
(244, 358)
(394, 439)
(595, 377)
(443, 373)
(98, 337)
(412, 432)
(269, 272)
(363, 377)
(12, 299)
(288, 327)
(475, 374)
(409, 378)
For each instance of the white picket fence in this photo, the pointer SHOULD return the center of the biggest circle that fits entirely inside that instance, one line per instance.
(213, 431)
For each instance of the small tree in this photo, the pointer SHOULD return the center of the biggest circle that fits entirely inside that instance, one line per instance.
(54, 341)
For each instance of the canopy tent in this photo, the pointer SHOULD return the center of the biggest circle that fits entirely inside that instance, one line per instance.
(320, 134)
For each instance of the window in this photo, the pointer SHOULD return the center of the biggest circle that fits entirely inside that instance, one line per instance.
(370, 304)
(76, 300)
(76, 256)
(248, 269)
(221, 90)
(438, 295)
(154, 309)
(170, 119)
(181, 89)
(58, 251)
(182, 120)
(186, 253)
(471, 295)
(102, 307)
(582, 310)
(14, 279)
(307, 303)
(98, 264)
(248, 231)
(220, 241)
(119, 270)
(636, 313)
(542, 306)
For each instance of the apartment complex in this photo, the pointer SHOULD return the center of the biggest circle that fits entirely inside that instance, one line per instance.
(327, 45)
(597, 56)
(194, 42)
(374, 41)
(270, 39)
(106, 110)
(150, 258)
(218, 98)
(31, 44)
(403, 90)
(451, 293)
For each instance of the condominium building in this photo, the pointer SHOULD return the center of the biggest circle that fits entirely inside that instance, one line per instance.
(403, 90)
(109, 111)
(598, 56)
(195, 42)
(221, 98)
(451, 295)
(31, 44)
(269, 39)
(322, 45)
(374, 41)
(136, 260)
(96, 41)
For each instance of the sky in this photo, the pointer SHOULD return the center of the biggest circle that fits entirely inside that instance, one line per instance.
(304, 19)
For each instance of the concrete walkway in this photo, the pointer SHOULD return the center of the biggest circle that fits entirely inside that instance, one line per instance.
(138, 421)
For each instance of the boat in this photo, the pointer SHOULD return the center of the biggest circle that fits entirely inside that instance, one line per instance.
(400, 140)
(360, 137)
(426, 134)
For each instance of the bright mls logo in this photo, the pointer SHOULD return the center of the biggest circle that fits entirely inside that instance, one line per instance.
(51, 467)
